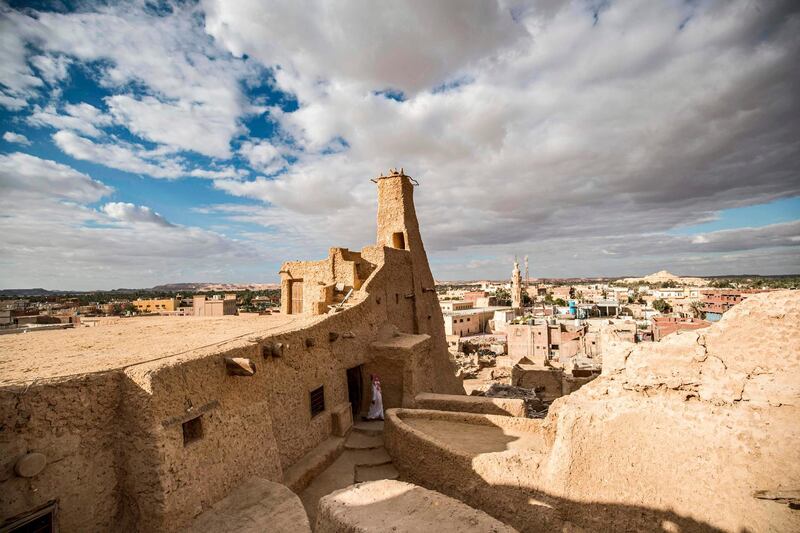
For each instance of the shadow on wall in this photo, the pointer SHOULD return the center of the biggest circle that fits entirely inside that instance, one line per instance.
(538, 511)
(542, 506)
(497, 470)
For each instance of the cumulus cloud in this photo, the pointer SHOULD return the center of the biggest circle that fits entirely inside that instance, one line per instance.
(563, 122)
(23, 176)
(51, 68)
(262, 156)
(60, 241)
(17, 80)
(581, 133)
(83, 118)
(17, 138)
(410, 46)
(126, 212)
(194, 98)
(119, 155)
(185, 124)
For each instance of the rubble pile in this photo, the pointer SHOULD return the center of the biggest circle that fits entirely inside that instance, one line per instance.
(534, 406)
(469, 366)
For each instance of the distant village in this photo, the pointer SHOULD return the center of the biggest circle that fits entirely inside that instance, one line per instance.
(549, 336)
(505, 337)
(59, 311)
(475, 313)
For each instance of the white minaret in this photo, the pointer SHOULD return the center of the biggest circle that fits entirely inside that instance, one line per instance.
(516, 286)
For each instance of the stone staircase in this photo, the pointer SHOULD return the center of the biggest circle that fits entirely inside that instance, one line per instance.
(364, 459)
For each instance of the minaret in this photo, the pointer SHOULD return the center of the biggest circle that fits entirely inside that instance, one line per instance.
(527, 275)
(516, 286)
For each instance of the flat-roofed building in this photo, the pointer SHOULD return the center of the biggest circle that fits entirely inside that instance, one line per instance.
(448, 306)
(163, 305)
(664, 325)
(546, 340)
(469, 321)
(215, 306)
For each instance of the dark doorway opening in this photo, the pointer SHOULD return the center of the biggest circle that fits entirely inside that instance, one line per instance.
(355, 389)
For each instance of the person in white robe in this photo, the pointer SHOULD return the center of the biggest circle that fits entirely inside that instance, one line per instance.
(376, 407)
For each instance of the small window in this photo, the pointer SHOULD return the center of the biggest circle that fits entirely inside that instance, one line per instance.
(39, 521)
(317, 401)
(399, 240)
(192, 430)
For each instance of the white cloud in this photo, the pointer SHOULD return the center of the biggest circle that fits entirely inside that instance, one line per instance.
(409, 46)
(83, 118)
(655, 115)
(17, 138)
(218, 174)
(185, 125)
(194, 99)
(262, 156)
(52, 69)
(23, 175)
(126, 212)
(119, 155)
(17, 80)
(58, 240)
(578, 137)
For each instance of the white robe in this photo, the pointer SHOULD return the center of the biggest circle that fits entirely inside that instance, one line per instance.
(376, 407)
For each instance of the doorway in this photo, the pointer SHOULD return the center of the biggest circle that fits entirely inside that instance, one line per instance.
(355, 389)
(296, 297)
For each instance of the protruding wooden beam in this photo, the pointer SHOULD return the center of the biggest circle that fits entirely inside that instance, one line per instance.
(240, 366)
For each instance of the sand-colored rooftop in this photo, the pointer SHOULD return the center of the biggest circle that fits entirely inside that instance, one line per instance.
(121, 342)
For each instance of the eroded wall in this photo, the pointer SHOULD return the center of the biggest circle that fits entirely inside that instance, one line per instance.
(675, 436)
(75, 424)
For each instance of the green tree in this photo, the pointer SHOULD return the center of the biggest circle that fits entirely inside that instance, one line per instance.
(697, 309)
(661, 306)
(503, 296)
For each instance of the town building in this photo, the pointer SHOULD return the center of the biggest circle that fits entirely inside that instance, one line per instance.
(563, 292)
(216, 306)
(472, 296)
(448, 306)
(665, 325)
(716, 302)
(159, 306)
(471, 321)
(546, 340)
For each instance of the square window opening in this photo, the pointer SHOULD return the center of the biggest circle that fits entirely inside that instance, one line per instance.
(192, 430)
(317, 397)
(399, 240)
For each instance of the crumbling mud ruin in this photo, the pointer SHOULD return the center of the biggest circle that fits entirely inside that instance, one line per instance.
(234, 424)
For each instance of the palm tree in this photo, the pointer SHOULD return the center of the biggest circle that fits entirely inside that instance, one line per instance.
(697, 309)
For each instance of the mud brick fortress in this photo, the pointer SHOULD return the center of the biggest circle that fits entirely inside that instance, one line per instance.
(231, 423)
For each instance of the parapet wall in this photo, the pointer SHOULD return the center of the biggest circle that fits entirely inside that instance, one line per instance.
(471, 404)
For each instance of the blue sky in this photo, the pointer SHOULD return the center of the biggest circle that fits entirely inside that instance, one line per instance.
(210, 141)
(775, 212)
